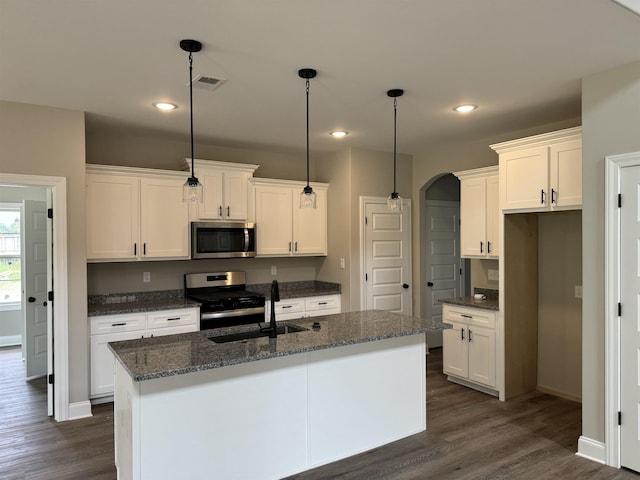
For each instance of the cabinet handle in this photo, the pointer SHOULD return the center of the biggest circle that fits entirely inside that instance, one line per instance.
(480, 247)
(144, 248)
(470, 332)
(173, 319)
(542, 196)
(466, 316)
(322, 303)
(488, 246)
(296, 246)
(553, 196)
(228, 211)
(462, 333)
(220, 211)
(286, 306)
(135, 249)
(289, 246)
(118, 324)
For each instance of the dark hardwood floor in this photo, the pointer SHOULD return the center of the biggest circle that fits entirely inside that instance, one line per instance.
(470, 436)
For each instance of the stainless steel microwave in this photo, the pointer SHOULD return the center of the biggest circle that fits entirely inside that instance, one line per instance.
(223, 240)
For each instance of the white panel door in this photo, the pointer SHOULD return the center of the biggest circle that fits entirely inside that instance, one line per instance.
(35, 287)
(630, 319)
(387, 237)
(442, 260)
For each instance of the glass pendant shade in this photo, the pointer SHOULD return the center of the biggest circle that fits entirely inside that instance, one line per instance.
(192, 191)
(394, 202)
(307, 198)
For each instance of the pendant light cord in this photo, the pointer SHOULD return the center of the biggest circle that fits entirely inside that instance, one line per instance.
(307, 132)
(191, 108)
(395, 115)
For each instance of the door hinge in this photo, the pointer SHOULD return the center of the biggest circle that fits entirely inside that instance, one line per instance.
(619, 418)
(50, 295)
(50, 379)
(49, 212)
(619, 309)
(460, 271)
(619, 200)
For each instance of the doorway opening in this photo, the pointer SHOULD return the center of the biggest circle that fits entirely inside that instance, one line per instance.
(54, 318)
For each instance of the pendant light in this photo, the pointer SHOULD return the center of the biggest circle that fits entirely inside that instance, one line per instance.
(394, 201)
(307, 196)
(192, 189)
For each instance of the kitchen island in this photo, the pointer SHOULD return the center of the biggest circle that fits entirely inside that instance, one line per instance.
(187, 406)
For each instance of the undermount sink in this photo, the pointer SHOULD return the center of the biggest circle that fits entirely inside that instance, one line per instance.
(282, 329)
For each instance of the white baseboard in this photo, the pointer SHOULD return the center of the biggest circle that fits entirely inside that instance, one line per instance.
(591, 449)
(79, 410)
(10, 340)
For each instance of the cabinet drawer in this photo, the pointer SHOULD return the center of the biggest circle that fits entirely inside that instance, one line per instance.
(172, 318)
(472, 316)
(289, 306)
(118, 323)
(323, 304)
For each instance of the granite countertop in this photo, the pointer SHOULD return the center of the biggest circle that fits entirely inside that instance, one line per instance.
(119, 303)
(489, 303)
(156, 357)
(310, 288)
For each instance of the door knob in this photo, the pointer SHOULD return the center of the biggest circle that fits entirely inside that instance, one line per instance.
(44, 304)
(429, 284)
(405, 285)
(31, 299)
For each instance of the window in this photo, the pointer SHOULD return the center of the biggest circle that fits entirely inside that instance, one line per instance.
(10, 255)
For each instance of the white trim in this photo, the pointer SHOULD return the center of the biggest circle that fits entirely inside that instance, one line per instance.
(58, 187)
(79, 410)
(11, 307)
(591, 449)
(574, 133)
(613, 176)
(11, 340)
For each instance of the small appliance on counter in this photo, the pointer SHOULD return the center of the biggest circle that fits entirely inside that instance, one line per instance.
(224, 300)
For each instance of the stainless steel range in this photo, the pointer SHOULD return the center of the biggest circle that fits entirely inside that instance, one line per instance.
(224, 299)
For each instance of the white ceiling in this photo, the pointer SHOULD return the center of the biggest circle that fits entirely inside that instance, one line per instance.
(521, 61)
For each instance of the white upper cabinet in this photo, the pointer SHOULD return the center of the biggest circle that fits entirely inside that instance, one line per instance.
(225, 190)
(135, 214)
(479, 211)
(541, 173)
(282, 227)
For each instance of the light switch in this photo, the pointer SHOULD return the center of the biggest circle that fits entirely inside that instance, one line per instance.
(274, 270)
(578, 291)
(342, 263)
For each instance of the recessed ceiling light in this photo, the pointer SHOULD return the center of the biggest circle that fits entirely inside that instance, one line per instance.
(465, 108)
(339, 133)
(164, 105)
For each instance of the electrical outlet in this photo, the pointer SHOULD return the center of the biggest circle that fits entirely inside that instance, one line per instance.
(578, 291)
(146, 277)
(274, 270)
(342, 263)
(493, 275)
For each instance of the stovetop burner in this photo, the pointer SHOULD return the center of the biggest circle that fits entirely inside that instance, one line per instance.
(221, 291)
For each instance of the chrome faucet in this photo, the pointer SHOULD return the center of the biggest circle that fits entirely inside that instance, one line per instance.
(275, 297)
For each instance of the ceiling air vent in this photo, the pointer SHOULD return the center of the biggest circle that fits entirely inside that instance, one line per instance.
(207, 83)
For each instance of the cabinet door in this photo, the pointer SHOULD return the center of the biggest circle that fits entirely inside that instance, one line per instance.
(566, 174)
(113, 217)
(164, 218)
(310, 226)
(493, 215)
(236, 186)
(482, 355)
(211, 206)
(524, 175)
(473, 207)
(102, 361)
(455, 352)
(273, 221)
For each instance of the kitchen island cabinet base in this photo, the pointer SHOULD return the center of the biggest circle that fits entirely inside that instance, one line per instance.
(271, 418)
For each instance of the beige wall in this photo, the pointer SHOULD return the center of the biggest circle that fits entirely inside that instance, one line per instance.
(50, 142)
(611, 118)
(480, 274)
(559, 311)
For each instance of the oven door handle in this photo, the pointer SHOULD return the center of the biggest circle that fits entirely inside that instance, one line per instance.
(232, 313)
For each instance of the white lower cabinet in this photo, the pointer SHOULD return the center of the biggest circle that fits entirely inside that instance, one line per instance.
(292, 308)
(469, 348)
(114, 328)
